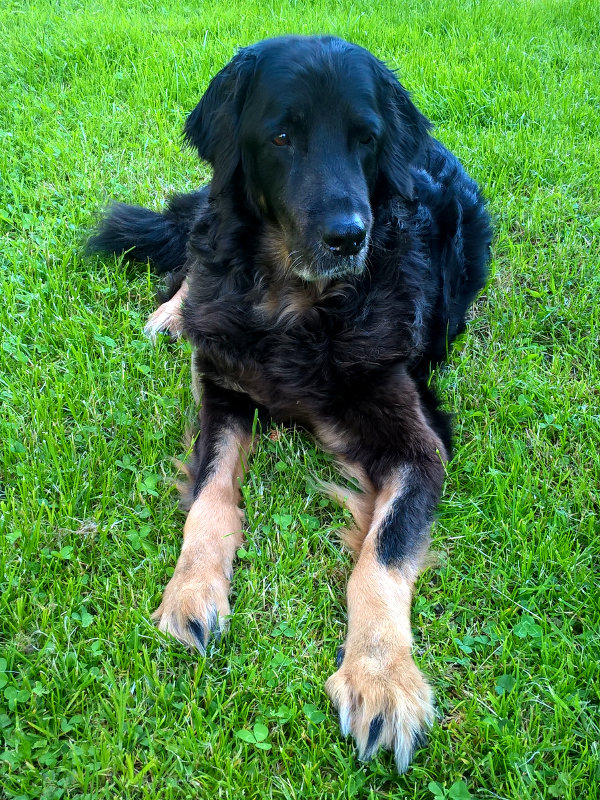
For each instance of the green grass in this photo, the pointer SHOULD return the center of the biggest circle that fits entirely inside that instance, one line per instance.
(93, 702)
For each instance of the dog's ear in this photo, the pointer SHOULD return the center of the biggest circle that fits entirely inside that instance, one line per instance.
(212, 127)
(406, 134)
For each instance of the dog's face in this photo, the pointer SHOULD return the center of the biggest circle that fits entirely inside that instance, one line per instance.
(310, 129)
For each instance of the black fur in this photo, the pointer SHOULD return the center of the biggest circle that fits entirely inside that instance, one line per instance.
(141, 235)
(314, 144)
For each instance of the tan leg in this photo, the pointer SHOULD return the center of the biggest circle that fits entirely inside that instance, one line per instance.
(382, 698)
(168, 317)
(195, 602)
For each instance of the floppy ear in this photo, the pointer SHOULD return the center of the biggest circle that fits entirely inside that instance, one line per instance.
(406, 134)
(212, 127)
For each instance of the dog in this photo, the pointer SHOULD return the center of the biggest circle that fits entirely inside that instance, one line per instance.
(320, 277)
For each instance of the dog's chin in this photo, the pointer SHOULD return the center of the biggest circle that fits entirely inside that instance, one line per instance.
(328, 266)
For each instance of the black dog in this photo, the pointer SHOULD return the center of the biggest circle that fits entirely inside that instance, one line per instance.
(320, 276)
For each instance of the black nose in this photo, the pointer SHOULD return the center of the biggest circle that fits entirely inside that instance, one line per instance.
(345, 235)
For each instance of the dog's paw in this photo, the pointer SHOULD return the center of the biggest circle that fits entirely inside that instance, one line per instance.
(194, 607)
(382, 703)
(167, 318)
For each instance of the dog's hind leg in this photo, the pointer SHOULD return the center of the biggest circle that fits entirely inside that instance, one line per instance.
(195, 602)
(168, 317)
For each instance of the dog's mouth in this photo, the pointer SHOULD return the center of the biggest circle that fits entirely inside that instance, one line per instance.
(320, 263)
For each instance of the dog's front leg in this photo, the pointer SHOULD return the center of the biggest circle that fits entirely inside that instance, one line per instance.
(195, 602)
(382, 698)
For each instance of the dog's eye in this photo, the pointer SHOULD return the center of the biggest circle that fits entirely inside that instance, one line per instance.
(367, 139)
(283, 140)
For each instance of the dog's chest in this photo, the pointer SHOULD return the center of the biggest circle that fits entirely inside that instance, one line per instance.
(289, 358)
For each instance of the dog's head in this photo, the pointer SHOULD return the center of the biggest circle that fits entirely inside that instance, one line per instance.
(311, 130)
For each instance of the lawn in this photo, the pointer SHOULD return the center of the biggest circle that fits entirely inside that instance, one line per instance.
(94, 703)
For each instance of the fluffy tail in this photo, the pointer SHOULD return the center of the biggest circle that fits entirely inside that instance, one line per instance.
(143, 235)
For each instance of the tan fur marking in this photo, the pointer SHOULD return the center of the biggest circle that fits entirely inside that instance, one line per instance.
(199, 588)
(335, 440)
(359, 503)
(168, 316)
(275, 252)
(385, 497)
(287, 296)
(287, 305)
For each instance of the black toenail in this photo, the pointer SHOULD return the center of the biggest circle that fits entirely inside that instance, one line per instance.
(374, 731)
(199, 633)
